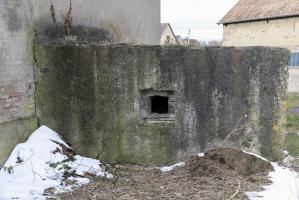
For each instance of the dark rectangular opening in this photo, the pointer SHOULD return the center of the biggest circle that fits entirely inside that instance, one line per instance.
(159, 104)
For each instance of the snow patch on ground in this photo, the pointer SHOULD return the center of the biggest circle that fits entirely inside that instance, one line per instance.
(285, 185)
(180, 164)
(285, 182)
(288, 160)
(39, 164)
(256, 155)
(172, 167)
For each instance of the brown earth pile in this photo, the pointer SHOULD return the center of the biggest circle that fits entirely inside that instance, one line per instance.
(217, 161)
(217, 175)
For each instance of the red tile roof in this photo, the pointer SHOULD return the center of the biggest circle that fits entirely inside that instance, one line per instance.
(254, 10)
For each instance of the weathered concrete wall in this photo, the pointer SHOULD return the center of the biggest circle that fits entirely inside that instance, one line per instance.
(293, 80)
(277, 32)
(99, 98)
(117, 21)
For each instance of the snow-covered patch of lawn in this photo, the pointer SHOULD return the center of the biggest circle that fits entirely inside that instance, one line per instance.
(45, 165)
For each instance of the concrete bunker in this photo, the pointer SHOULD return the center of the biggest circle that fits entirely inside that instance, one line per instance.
(155, 104)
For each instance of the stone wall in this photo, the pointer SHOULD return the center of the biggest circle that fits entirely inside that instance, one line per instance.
(277, 32)
(153, 104)
(22, 21)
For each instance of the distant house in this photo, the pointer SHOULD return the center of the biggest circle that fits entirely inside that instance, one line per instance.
(167, 34)
(265, 23)
(189, 42)
(193, 42)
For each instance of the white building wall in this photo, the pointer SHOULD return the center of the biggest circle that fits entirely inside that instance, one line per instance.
(164, 37)
(132, 21)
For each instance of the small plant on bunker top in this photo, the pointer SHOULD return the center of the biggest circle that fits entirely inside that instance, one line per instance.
(52, 11)
(8, 169)
(68, 20)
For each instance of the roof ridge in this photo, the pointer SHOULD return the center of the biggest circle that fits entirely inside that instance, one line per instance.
(255, 10)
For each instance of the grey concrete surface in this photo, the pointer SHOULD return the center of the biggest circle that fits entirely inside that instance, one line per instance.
(99, 97)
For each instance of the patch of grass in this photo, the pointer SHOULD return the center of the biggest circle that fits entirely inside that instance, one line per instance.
(292, 144)
(293, 101)
(292, 122)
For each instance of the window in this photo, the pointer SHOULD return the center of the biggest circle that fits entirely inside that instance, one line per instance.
(159, 104)
(294, 60)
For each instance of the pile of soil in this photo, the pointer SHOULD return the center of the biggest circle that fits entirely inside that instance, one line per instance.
(221, 160)
(213, 176)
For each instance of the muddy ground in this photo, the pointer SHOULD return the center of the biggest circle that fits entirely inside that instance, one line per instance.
(205, 178)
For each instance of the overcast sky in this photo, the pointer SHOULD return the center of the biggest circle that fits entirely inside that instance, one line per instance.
(200, 16)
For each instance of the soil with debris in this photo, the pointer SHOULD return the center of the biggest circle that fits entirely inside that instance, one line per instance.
(213, 176)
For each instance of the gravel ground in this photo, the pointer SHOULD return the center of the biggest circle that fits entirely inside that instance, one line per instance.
(204, 180)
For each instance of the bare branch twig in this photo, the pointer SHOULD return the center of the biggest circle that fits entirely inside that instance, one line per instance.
(237, 191)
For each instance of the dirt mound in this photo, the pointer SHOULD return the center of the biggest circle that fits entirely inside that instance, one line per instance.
(227, 160)
(212, 177)
(205, 166)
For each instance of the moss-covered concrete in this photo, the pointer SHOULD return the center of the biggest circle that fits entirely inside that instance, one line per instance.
(93, 95)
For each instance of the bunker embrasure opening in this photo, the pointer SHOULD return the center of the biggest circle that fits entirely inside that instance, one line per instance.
(159, 104)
